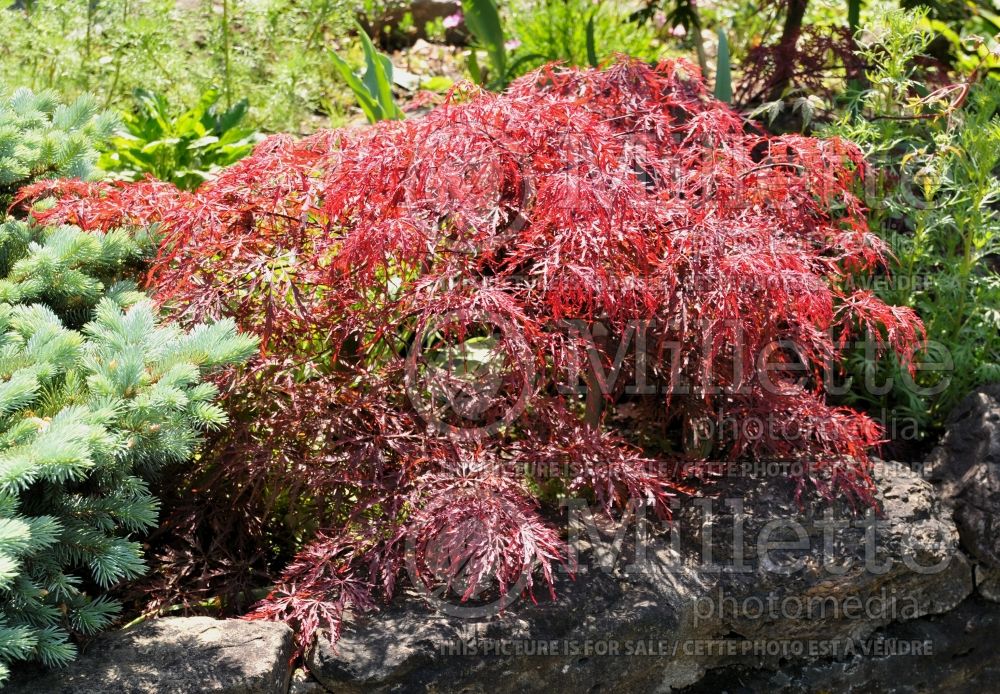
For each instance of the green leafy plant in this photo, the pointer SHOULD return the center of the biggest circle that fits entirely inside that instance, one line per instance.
(934, 194)
(86, 416)
(576, 32)
(184, 150)
(482, 18)
(723, 75)
(524, 35)
(373, 90)
(40, 138)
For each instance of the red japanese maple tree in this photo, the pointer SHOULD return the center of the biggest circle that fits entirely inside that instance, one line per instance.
(455, 310)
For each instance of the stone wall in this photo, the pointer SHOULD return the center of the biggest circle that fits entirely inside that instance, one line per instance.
(746, 591)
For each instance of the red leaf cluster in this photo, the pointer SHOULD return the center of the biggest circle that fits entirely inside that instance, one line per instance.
(457, 311)
(818, 57)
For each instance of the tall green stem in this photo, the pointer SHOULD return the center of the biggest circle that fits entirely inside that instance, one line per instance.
(226, 54)
(855, 76)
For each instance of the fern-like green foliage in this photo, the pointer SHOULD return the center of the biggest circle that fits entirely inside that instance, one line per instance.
(934, 197)
(86, 416)
(40, 138)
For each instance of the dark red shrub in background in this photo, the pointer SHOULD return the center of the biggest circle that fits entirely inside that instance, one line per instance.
(450, 308)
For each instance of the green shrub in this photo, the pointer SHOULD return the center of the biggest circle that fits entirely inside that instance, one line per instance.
(184, 149)
(86, 416)
(68, 270)
(934, 194)
(577, 32)
(39, 138)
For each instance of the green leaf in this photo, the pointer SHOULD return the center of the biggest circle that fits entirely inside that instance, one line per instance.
(231, 118)
(473, 65)
(378, 78)
(591, 42)
(483, 19)
(723, 75)
(203, 142)
(524, 59)
(154, 109)
(155, 145)
(438, 83)
(364, 98)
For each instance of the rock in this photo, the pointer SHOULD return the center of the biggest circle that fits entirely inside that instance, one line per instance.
(958, 655)
(747, 590)
(966, 466)
(988, 582)
(717, 590)
(177, 655)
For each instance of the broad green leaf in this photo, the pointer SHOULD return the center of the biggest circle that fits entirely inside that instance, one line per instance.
(723, 74)
(591, 42)
(378, 77)
(160, 144)
(483, 19)
(203, 142)
(368, 105)
(231, 118)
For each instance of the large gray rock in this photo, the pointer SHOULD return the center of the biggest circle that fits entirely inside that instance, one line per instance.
(179, 655)
(951, 653)
(678, 612)
(748, 591)
(966, 468)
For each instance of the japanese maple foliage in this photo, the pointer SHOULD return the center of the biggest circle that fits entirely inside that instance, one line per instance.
(454, 308)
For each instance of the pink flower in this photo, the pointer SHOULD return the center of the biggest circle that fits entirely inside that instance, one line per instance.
(679, 31)
(452, 20)
(512, 44)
